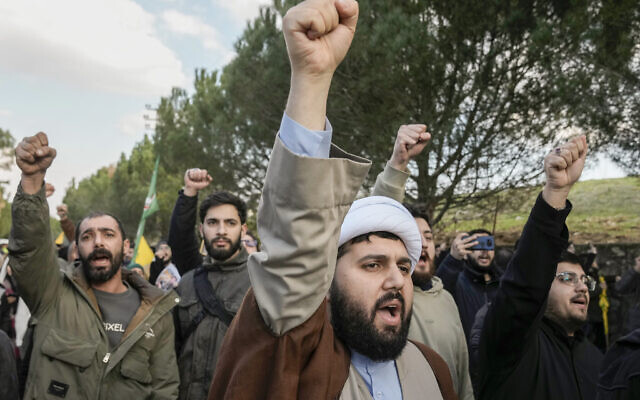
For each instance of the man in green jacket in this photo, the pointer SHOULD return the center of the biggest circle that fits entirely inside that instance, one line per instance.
(102, 332)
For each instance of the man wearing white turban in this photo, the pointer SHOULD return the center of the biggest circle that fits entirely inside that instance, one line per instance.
(330, 305)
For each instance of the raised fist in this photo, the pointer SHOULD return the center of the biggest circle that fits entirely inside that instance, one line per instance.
(410, 142)
(62, 212)
(33, 155)
(196, 179)
(563, 167)
(318, 34)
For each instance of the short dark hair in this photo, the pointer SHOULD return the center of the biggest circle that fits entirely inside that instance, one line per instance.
(419, 210)
(569, 257)
(342, 250)
(96, 214)
(219, 198)
(480, 230)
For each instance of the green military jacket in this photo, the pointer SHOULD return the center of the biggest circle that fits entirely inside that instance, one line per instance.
(71, 357)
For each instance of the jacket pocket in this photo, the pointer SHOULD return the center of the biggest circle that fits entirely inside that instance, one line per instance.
(64, 367)
(135, 365)
(71, 350)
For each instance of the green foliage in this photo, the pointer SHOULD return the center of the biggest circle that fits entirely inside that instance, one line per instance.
(6, 149)
(121, 190)
(604, 211)
(495, 81)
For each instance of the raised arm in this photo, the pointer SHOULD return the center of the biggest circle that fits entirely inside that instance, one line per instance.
(30, 243)
(305, 198)
(410, 141)
(519, 304)
(66, 224)
(182, 234)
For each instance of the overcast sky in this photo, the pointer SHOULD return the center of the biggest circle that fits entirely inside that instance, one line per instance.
(83, 70)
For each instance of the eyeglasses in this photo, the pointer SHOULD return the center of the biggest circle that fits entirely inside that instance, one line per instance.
(572, 278)
(249, 242)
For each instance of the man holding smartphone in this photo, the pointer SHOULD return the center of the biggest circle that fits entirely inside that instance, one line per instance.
(470, 274)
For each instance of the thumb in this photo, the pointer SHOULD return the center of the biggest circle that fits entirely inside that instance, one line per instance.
(348, 13)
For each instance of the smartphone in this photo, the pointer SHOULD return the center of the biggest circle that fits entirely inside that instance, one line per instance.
(484, 243)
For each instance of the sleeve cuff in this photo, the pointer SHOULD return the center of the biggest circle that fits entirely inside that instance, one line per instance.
(395, 177)
(305, 142)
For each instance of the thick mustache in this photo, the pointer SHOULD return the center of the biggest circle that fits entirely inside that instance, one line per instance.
(98, 253)
(578, 297)
(390, 296)
(215, 239)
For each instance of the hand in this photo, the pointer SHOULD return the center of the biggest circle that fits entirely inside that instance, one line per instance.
(49, 189)
(318, 34)
(33, 157)
(460, 247)
(196, 179)
(563, 167)
(62, 212)
(410, 142)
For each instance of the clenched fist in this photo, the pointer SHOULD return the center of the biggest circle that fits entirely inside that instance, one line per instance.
(318, 34)
(196, 179)
(33, 157)
(563, 167)
(410, 142)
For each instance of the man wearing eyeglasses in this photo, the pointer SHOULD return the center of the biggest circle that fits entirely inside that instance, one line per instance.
(530, 342)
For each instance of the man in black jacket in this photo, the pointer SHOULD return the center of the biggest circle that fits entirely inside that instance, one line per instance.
(212, 287)
(531, 346)
(471, 276)
(629, 285)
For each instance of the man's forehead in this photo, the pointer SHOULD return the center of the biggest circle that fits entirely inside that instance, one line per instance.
(380, 246)
(569, 267)
(100, 222)
(423, 225)
(223, 211)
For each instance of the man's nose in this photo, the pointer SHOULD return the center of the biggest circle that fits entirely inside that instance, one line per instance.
(394, 278)
(98, 240)
(222, 229)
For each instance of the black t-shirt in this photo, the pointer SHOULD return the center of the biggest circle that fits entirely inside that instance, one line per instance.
(117, 310)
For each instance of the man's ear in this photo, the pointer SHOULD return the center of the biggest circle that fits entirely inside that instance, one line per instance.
(126, 245)
(244, 229)
(201, 231)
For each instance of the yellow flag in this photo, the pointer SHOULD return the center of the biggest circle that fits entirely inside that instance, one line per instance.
(60, 239)
(145, 255)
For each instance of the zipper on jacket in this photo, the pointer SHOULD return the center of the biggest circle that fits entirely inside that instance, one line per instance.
(106, 358)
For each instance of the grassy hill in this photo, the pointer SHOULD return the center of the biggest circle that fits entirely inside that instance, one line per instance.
(604, 211)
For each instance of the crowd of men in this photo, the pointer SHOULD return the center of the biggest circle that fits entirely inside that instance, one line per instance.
(341, 298)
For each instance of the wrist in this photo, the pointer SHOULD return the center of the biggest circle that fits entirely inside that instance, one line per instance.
(556, 198)
(307, 102)
(189, 191)
(399, 165)
(32, 183)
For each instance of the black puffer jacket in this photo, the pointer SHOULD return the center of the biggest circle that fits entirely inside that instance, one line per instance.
(521, 354)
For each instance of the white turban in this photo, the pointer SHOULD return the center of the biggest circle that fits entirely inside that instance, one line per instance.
(382, 214)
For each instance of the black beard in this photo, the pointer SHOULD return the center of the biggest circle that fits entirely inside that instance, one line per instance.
(221, 254)
(357, 330)
(477, 267)
(420, 279)
(95, 276)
